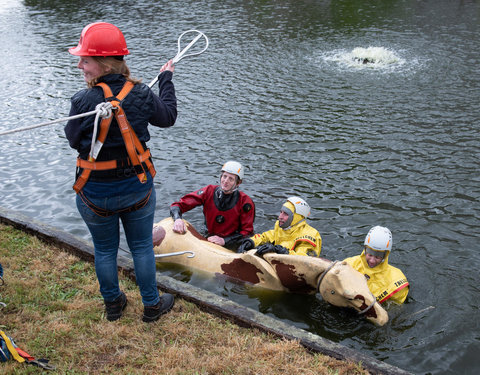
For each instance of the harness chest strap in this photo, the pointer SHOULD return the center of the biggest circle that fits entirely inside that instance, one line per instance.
(137, 154)
(135, 149)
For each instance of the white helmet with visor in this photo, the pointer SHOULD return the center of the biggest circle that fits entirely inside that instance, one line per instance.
(378, 241)
(301, 207)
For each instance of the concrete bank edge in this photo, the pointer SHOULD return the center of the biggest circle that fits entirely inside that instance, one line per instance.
(208, 301)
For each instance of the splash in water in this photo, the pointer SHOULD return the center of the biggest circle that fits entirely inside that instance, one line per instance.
(374, 55)
(371, 57)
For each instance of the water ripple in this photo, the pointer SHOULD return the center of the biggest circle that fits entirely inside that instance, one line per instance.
(395, 145)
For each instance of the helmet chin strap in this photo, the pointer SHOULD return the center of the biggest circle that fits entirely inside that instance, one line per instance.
(291, 226)
(220, 191)
(231, 190)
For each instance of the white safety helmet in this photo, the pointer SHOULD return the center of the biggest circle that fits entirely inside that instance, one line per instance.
(301, 207)
(235, 168)
(379, 239)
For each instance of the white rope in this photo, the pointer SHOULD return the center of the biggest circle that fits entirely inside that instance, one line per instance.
(104, 110)
(64, 119)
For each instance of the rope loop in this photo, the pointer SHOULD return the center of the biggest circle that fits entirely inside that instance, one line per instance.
(324, 273)
(104, 110)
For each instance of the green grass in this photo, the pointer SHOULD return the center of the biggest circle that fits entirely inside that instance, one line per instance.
(55, 311)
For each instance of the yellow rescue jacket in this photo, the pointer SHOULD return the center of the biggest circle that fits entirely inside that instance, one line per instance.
(299, 239)
(384, 281)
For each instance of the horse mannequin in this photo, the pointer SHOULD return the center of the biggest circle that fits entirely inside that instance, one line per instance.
(337, 282)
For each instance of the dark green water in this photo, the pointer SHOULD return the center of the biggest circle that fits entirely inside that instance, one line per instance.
(393, 143)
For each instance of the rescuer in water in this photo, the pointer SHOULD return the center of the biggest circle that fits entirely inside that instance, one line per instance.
(229, 213)
(291, 234)
(384, 281)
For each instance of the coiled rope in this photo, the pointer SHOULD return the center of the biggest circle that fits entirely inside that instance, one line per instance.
(103, 110)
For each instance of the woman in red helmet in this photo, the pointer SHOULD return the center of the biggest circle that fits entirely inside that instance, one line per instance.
(115, 174)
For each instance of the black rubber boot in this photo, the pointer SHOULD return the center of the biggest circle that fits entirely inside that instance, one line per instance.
(152, 313)
(114, 309)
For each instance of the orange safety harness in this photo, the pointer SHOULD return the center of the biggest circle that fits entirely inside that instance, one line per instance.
(137, 155)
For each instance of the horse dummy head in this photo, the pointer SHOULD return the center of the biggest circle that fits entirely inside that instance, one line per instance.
(337, 282)
(341, 285)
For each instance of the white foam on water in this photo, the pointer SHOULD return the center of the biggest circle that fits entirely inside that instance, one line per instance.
(5, 5)
(380, 58)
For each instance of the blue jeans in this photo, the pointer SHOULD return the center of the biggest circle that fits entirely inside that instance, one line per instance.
(105, 233)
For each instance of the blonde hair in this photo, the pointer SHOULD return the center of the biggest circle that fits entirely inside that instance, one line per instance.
(112, 65)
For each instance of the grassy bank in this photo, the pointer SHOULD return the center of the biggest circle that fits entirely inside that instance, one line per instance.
(55, 311)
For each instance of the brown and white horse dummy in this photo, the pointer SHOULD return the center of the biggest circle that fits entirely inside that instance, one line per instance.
(337, 282)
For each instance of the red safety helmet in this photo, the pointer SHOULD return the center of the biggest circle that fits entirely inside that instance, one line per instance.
(100, 39)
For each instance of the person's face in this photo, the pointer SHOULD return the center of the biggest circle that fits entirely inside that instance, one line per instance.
(282, 218)
(90, 67)
(373, 260)
(228, 182)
